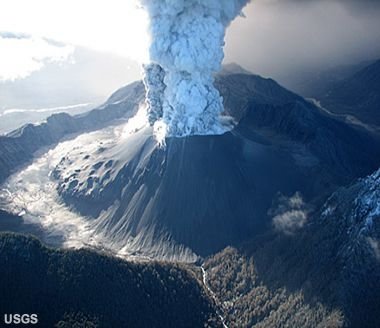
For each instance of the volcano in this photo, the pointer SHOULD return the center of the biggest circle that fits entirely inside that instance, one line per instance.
(196, 194)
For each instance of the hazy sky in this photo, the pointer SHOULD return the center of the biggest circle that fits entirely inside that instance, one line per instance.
(281, 36)
(276, 37)
(114, 26)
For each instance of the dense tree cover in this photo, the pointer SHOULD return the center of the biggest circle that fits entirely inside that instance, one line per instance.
(248, 301)
(82, 288)
(326, 275)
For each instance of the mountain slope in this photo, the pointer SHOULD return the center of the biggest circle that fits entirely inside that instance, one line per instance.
(64, 287)
(326, 274)
(348, 151)
(358, 95)
(199, 194)
(316, 83)
(202, 193)
(240, 89)
(18, 147)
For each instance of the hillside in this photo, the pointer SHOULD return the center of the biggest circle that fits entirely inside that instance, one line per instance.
(358, 95)
(325, 273)
(67, 287)
(196, 195)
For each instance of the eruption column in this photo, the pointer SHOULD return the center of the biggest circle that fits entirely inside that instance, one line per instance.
(187, 39)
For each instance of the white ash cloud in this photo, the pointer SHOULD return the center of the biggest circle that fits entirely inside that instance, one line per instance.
(289, 214)
(375, 246)
(187, 39)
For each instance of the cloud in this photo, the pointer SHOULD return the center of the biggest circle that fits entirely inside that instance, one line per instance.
(12, 35)
(276, 38)
(375, 246)
(282, 37)
(21, 55)
(289, 214)
(353, 5)
(114, 26)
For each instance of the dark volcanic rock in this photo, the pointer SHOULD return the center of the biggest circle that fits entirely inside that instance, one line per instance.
(200, 192)
(196, 190)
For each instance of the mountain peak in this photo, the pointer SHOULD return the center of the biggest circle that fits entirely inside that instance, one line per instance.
(233, 68)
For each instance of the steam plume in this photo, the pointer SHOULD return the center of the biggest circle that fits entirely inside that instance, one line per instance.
(185, 51)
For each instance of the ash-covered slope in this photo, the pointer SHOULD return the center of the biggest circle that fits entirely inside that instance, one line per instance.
(201, 193)
(326, 274)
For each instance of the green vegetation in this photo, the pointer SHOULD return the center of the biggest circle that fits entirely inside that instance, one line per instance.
(248, 301)
(326, 275)
(82, 288)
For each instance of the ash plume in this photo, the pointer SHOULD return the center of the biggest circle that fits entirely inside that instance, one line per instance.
(187, 39)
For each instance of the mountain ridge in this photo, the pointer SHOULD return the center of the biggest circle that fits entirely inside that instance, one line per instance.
(324, 274)
(196, 195)
(358, 95)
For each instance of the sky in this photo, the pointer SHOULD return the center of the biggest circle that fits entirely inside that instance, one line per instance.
(277, 37)
(114, 26)
(111, 25)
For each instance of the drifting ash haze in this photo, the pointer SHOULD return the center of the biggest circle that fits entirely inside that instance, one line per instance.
(187, 39)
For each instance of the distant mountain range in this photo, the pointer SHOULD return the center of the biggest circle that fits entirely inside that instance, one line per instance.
(18, 147)
(347, 90)
(316, 83)
(77, 85)
(358, 95)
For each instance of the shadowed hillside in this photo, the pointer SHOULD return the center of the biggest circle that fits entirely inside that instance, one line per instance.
(324, 274)
(86, 289)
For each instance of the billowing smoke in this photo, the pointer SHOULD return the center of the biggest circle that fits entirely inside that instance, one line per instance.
(289, 214)
(187, 39)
